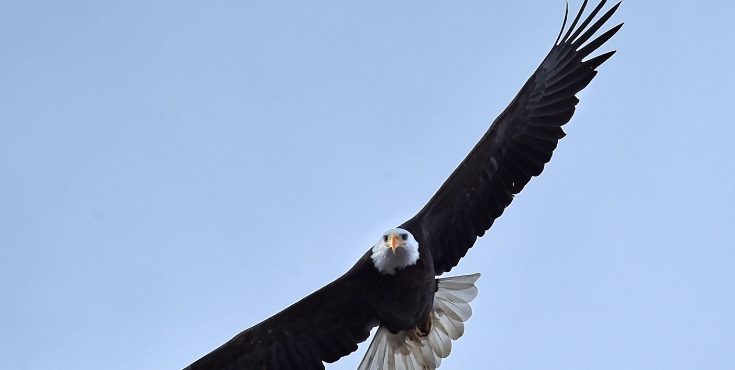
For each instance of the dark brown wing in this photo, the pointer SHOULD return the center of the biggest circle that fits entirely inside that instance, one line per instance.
(323, 327)
(515, 147)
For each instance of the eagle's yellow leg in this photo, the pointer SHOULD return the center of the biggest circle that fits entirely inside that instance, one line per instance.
(422, 330)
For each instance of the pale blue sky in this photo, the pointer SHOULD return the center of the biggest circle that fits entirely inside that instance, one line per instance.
(173, 173)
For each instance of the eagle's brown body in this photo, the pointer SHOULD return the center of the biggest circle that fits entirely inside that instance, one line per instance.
(329, 323)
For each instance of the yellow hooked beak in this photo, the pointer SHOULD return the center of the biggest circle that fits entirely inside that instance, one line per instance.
(395, 242)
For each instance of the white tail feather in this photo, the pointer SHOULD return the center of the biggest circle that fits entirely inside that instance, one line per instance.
(451, 309)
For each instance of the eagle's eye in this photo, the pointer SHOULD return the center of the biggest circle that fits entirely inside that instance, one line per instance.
(404, 236)
(385, 238)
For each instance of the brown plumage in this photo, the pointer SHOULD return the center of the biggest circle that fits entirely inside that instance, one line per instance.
(328, 324)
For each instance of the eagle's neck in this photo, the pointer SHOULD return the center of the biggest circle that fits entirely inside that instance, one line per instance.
(388, 262)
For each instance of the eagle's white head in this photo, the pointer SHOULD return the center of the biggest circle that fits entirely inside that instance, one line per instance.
(396, 249)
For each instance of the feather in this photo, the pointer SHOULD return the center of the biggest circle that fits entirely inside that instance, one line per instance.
(506, 157)
(451, 309)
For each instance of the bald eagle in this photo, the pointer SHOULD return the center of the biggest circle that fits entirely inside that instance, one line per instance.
(394, 285)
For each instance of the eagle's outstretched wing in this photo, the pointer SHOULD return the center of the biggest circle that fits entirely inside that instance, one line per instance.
(515, 148)
(323, 327)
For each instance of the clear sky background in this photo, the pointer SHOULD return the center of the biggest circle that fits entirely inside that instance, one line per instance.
(173, 173)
